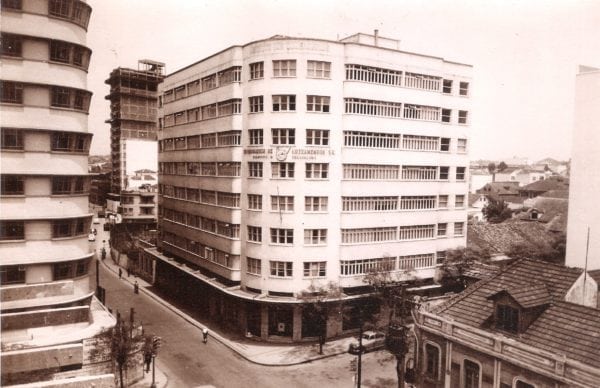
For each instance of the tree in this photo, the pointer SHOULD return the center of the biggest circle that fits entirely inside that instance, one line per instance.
(315, 305)
(502, 166)
(458, 262)
(496, 210)
(528, 250)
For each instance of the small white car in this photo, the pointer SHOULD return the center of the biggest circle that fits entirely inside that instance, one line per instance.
(371, 340)
(91, 237)
(96, 220)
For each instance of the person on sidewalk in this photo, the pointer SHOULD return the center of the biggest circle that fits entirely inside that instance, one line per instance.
(205, 335)
(136, 287)
(120, 273)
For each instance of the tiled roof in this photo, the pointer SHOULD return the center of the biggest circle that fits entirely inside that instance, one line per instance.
(550, 183)
(500, 238)
(559, 193)
(563, 328)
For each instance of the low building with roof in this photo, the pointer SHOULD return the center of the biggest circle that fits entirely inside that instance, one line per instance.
(543, 186)
(551, 211)
(534, 324)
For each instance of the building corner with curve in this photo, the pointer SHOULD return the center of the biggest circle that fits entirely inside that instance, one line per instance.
(293, 164)
(51, 321)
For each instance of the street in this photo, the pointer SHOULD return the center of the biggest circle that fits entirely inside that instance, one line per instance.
(188, 362)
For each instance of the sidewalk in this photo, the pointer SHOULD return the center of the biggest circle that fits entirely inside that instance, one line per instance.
(160, 379)
(257, 352)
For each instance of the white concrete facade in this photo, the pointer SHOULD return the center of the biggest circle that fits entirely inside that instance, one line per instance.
(44, 216)
(584, 183)
(386, 190)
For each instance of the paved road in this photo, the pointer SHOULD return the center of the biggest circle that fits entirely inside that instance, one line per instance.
(188, 362)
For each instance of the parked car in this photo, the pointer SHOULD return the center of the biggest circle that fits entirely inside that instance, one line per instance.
(96, 220)
(371, 340)
(91, 237)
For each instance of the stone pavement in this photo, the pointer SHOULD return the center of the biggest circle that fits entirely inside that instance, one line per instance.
(253, 351)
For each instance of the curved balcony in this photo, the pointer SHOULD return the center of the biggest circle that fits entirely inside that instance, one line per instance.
(47, 26)
(43, 163)
(38, 207)
(43, 72)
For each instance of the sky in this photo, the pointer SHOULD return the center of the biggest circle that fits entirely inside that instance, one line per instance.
(525, 54)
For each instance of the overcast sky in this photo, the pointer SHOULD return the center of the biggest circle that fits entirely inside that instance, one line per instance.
(525, 53)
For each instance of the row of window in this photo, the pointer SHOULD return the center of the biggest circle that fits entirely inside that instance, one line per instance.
(59, 51)
(320, 70)
(286, 170)
(75, 11)
(395, 172)
(72, 142)
(206, 112)
(471, 374)
(361, 106)
(60, 96)
(208, 140)
(401, 233)
(287, 103)
(284, 269)
(314, 203)
(286, 236)
(212, 81)
(208, 197)
(202, 251)
(60, 185)
(222, 169)
(210, 225)
(316, 137)
(16, 274)
(71, 227)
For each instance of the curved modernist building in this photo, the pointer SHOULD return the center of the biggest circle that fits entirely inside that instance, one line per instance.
(290, 164)
(46, 293)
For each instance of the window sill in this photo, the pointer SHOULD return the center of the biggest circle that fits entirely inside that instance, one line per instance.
(314, 277)
(15, 150)
(283, 111)
(254, 242)
(13, 196)
(12, 241)
(280, 277)
(315, 245)
(253, 113)
(317, 111)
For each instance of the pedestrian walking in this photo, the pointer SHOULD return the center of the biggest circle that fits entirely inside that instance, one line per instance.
(128, 271)
(136, 288)
(120, 273)
(205, 335)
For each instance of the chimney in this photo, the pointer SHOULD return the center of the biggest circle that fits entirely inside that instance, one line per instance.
(376, 36)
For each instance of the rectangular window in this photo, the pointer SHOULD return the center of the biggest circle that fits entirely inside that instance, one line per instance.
(12, 4)
(432, 361)
(209, 82)
(442, 201)
(421, 112)
(463, 89)
(10, 45)
(255, 201)
(461, 146)
(460, 173)
(230, 75)
(255, 169)
(209, 140)
(315, 204)
(282, 203)
(254, 233)
(283, 136)
(471, 374)
(370, 172)
(228, 168)
(315, 236)
(420, 143)
(12, 274)
(62, 228)
(447, 86)
(209, 111)
(419, 173)
(257, 70)
(317, 137)
(256, 104)
(364, 266)
(253, 266)
(62, 271)
(194, 87)
(459, 201)
(12, 92)
(318, 69)
(59, 8)
(446, 115)
(282, 236)
(373, 75)
(12, 185)
(61, 185)
(459, 228)
(317, 170)
(462, 116)
(317, 104)
(369, 204)
(422, 81)
(442, 229)
(281, 268)
(61, 97)
(12, 139)
(315, 269)
(256, 136)
(417, 232)
(372, 107)
(60, 51)
(282, 170)
(284, 103)
(417, 202)
(440, 257)
(444, 144)
(284, 68)
(444, 174)
(12, 230)
(367, 235)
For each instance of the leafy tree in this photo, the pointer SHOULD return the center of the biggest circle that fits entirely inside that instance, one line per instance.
(458, 261)
(492, 170)
(554, 254)
(496, 210)
(502, 166)
(315, 307)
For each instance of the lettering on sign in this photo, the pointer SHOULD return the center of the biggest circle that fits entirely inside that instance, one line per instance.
(283, 153)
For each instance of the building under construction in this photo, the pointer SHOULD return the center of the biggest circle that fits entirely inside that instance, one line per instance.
(133, 114)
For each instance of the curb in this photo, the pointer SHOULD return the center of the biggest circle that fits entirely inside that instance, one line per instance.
(218, 337)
